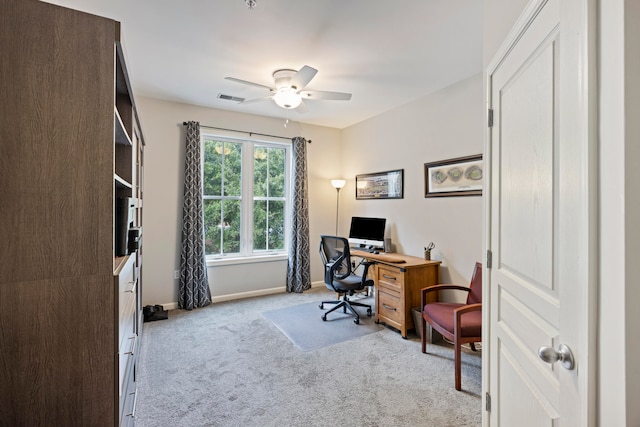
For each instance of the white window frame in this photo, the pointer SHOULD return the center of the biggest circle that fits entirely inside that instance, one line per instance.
(247, 253)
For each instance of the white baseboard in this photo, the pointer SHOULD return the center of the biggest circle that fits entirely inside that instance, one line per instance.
(170, 306)
(249, 294)
(241, 295)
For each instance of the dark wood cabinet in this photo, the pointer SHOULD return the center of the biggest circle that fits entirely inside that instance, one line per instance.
(70, 146)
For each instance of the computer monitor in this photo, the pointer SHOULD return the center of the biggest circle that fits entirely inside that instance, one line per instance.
(367, 231)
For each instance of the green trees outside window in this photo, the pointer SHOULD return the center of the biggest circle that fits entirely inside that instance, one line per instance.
(235, 224)
(269, 198)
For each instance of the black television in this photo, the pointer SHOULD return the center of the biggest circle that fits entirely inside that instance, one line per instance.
(367, 231)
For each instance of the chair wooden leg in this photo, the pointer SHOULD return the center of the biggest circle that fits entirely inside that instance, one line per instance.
(424, 333)
(457, 356)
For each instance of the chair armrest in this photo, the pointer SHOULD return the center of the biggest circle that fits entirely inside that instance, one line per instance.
(424, 291)
(365, 271)
(467, 308)
(328, 272)
(457, 315)
(443, 287)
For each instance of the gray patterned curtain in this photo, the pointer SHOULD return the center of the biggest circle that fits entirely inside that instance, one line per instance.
(193, 291)
(299, 266)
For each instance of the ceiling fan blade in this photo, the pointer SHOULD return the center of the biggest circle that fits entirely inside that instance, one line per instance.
(254, 100)
(321, 94)
(302, 77)
(244, 82)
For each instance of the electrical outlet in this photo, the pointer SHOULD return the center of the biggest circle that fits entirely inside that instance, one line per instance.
(176, 274)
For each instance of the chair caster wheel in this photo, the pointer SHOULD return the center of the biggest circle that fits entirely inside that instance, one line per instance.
(369, 312)
(356, 321)
(321, 306)
(324, 318)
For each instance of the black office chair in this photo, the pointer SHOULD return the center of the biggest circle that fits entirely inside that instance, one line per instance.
(339, 277)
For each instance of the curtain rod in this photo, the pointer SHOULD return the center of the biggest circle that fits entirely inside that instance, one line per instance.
(244, 131)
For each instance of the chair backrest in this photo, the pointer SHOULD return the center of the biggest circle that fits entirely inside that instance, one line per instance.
(335, 249)
(475, 295)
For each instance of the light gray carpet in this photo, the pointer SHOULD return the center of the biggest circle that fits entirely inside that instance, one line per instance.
(303, 324)
(227, 365)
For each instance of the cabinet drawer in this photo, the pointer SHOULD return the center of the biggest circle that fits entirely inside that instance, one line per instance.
(126, 285)
(126, 354)
(126, 282)
(128, 398)
(127, 291)
(390, 278)
(128, 343)
(390, 306)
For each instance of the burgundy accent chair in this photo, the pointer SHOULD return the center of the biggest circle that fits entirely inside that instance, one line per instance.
(458, 323)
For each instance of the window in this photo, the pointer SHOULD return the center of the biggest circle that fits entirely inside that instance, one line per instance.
(237, 224)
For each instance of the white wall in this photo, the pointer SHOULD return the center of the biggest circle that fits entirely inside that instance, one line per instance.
(163, 175)
(446, 124)
(499, 17)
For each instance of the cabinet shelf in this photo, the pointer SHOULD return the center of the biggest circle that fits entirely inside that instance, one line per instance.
(118, 264)
(121, 135)
(121, 182)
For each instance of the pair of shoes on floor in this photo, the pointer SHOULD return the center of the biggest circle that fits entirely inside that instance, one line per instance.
(154, 312)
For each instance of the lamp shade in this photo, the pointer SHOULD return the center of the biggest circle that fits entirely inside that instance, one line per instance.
(338, 183)
(287, 98)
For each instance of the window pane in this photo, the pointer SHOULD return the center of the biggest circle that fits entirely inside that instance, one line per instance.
(226, 209)
(276, 172)
(260, 165)
(268, 225)
(212, 167)
(231, 226)
(221, 226)
(212, 234)
(276, 225)
(232, 169)
(259, 225)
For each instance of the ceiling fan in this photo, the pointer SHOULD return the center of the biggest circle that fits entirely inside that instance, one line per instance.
(289, 84)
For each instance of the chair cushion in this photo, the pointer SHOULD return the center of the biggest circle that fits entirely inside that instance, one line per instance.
(351, 283)
(442, 314)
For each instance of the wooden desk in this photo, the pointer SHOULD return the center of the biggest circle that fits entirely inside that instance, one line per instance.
(398, 279)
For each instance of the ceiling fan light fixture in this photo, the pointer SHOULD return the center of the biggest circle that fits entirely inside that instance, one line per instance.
(250, 4)
(287, 98)
(289, 88)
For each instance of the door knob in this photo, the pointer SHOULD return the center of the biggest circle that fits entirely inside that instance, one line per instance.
(563, 354)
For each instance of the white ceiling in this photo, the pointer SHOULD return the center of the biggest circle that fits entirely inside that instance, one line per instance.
(386, 53)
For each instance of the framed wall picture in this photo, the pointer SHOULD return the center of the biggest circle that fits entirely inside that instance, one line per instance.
(380, 185)
(462, 176)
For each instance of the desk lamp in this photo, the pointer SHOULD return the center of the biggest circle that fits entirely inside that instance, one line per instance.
(337, 184)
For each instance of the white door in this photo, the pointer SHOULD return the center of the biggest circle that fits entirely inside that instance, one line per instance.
(540, 220)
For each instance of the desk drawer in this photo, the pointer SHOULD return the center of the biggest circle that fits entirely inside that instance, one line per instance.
(390, 306)
(390, 278)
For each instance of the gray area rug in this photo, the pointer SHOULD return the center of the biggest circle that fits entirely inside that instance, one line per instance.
(303, 325)
(227, 365)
